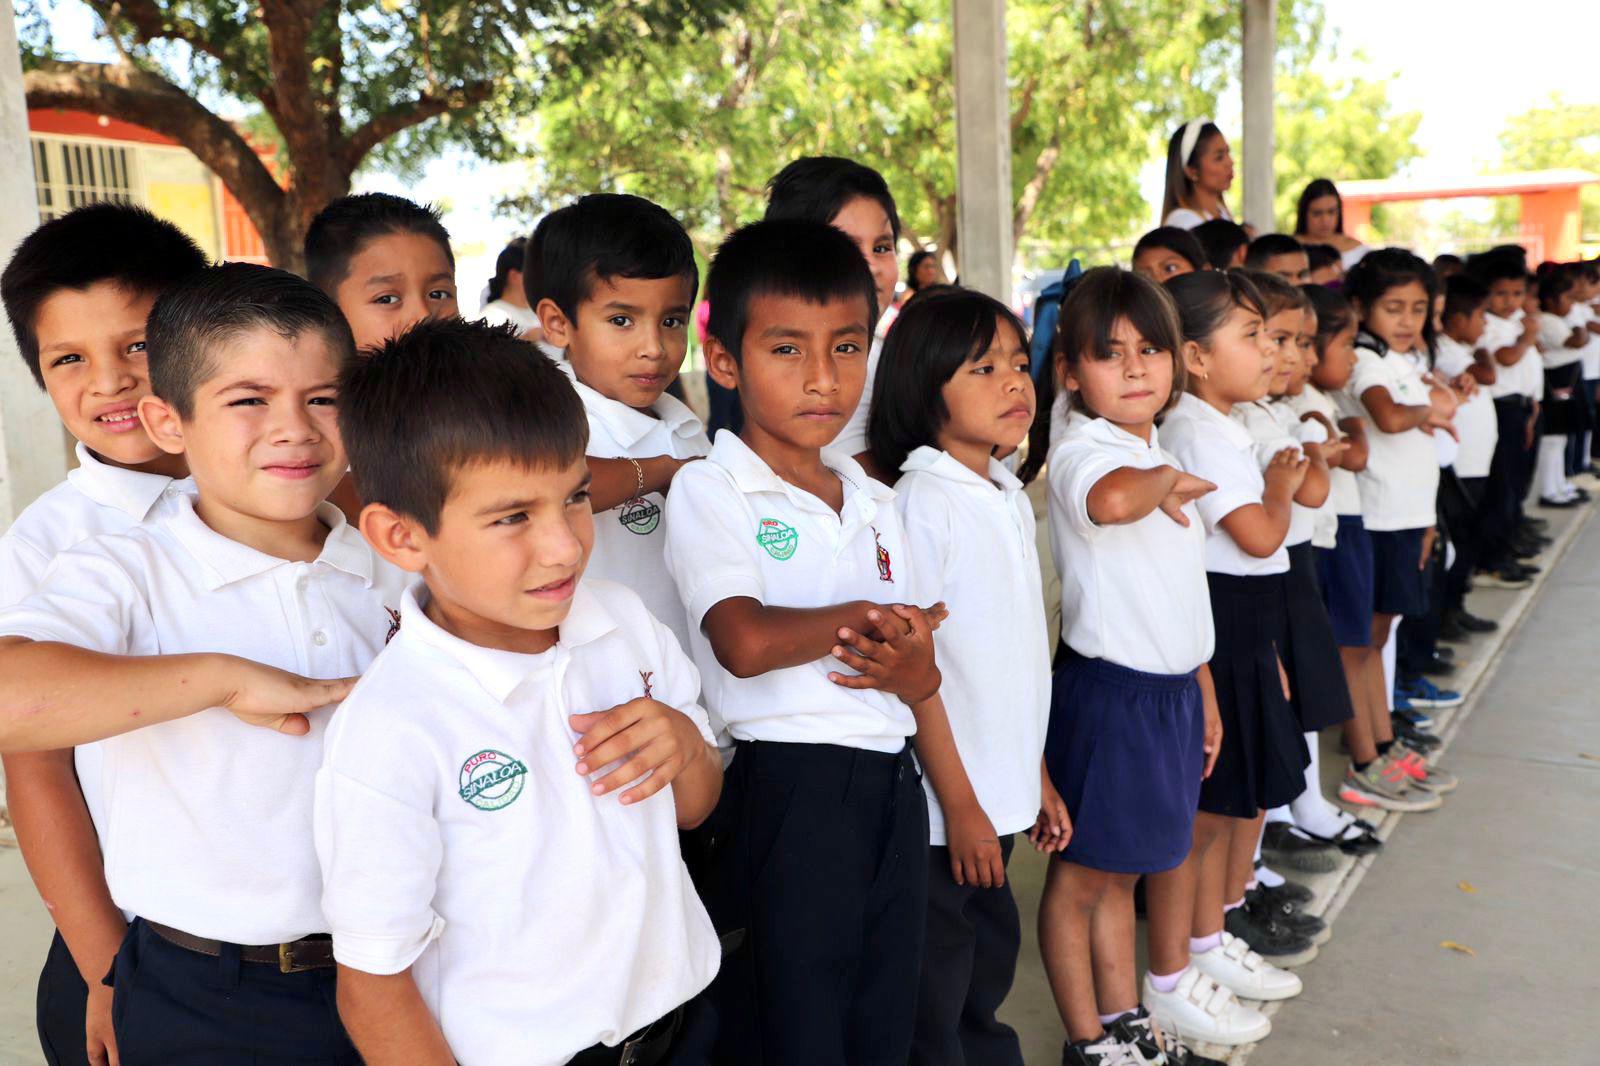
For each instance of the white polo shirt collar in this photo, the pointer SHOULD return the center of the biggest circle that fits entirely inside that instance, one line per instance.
(629, 425)
(225, 561)
(941, 463)
(1231, 429)
(752, 474)
(133, 492)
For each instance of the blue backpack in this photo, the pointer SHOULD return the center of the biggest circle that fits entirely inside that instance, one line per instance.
(1046, 313)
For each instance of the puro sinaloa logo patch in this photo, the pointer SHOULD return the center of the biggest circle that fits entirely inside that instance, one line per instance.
(640, 516)
(492, 779)
(777, 539)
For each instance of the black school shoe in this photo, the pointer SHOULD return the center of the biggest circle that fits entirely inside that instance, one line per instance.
(1364, 841)
(1290, 891)
(1417, 739)
(1105, 1050)
(1438, 666)
(1471, 623)
(1153, 1043)
(1309, 926)
(1285, 847)
(1269, 937)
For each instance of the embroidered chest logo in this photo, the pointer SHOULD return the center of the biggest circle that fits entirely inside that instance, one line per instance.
(885, 564)
(491, 780)
(777, 539)
(640, 516)
(394, 623)
(648, 677)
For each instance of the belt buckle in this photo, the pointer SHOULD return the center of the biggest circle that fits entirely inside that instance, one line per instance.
(630, 1052)
(286, 963)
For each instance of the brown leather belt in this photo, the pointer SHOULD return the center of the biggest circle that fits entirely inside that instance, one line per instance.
(314, 952)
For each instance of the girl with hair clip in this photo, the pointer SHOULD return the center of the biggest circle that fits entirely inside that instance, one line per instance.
(953, 390)
(507, 302)
(1319, 219)
(1263, 755)
(1199, 173)
(1133, 719)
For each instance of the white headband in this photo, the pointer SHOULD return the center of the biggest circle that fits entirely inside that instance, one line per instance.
(1191, 137)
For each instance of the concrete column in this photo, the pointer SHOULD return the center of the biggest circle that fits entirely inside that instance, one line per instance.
(1260, 42)
(983, 147)
(31, 456)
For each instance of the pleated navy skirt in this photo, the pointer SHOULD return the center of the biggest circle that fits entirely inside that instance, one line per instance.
(1318, 690)
(1263, 758)
(1126, 750)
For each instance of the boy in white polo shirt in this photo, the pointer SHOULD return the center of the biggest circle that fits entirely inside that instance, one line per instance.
(497, 813)
(153, 636)
(77, 292)
(785, 553)
(617, 279)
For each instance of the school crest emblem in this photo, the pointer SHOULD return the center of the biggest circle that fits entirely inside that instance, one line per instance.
(394, 623)
(492, 779)
(777, 539)
(640, 516)
(885, 564)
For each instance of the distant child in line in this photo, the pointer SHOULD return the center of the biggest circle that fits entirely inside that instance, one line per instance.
(1280, 254)
(1225, 242)
(497, 810)
(507, 300)
(78, 291)
(1166, 252)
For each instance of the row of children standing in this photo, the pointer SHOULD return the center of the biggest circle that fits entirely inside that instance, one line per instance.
(785, 620)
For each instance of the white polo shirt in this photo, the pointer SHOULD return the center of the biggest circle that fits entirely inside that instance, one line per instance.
(1064, 418)
(1132, 594)
(1401, 480)
(1475, 420)
(1589, 354)
(457, 838)
(1553, 333)
(1526, 376)
(95, 499)
(1210, 445)
(1344, 497)
(852, 439)
(974, 542)
(207, 822)
(736, 529)
(629, 539)
(1272, 433)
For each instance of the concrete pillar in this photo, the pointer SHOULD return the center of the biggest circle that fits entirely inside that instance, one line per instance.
(983, 147)
(31, 457)
(1260, 42)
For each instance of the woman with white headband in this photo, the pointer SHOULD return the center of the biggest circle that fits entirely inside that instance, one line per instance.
(1199, 172)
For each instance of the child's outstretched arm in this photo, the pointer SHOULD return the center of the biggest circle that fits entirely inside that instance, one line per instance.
(59, 845)
(1260, 528)
(1128, 494)
(616, 481)
(1392, 417)
(387, 1020)
(1355, 454)
(655, 739)
(1313, 491)
(898, 658)
(57, 696)
(750, 638)
(975, 856)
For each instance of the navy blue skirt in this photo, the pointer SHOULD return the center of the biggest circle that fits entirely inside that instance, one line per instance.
(1126, 750)
(1263, 758)
(1345, 577)
(1317, 686)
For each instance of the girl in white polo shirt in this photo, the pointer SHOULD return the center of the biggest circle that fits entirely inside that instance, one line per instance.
(1263, 755)
(953, 388)
(1561, 343)
(1133, 724)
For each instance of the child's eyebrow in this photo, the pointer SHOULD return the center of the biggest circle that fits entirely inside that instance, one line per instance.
(247, 386)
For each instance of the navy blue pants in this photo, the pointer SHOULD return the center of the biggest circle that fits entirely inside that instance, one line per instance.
(59, 1007)
(175, 1007)
(968, 965)
(826, 868)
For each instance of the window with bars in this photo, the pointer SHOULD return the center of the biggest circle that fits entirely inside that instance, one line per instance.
(71, 173)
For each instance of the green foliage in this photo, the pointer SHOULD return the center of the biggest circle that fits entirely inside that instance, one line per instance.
(1554, 135)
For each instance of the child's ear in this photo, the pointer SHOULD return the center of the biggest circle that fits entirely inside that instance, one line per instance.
(1194, 360)
(720, 364)
(395, 537)
(162, 424)
(557, 326)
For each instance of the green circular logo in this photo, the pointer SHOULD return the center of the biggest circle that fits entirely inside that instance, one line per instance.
(640, 516)
(491, 780)
(779, 540)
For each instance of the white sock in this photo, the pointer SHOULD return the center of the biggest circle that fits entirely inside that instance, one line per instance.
(1199, 945)
(1266, 875)
(1311, 809)
(1551, 468)
(1235, 905)
(1388, 663)
(1276, 814)
(1166, 982)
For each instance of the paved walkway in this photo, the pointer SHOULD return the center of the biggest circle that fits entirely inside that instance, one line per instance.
(1521, 833)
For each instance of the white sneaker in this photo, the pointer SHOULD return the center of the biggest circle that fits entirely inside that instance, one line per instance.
(1234, 966)
(1199, 1009)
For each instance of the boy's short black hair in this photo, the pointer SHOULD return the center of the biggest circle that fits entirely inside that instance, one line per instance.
(1269, 245)
(344, 227)
(99, 242)
(1505, 263)
(1176, 240)
(1321, 255)
(809, 260)
(816, 188)
(1221, 239)
(1463, 294)
(447, 393)
(1554, 280)
(205, 312)
(600, 237)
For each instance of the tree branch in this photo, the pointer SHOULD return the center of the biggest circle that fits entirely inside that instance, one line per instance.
(381, 127)
(1043, 164)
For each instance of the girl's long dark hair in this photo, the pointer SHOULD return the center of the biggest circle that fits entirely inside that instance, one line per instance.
(1316, 190)
(509, 259)
(1385, 269)
(938, 332)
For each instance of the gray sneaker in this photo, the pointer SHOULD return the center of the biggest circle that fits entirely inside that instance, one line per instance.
(1424, 774)
(1386, 785)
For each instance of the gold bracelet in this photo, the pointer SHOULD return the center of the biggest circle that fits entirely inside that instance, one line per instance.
(638, 473)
